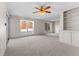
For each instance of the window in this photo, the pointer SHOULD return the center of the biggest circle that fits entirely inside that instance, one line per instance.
(26, 25)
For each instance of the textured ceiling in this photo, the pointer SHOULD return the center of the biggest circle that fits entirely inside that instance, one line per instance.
(26, 9)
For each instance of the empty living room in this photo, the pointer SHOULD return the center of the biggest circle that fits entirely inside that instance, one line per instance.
(39, 28)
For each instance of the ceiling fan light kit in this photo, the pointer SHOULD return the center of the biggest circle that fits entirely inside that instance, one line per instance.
(42, 13)
(42, 10)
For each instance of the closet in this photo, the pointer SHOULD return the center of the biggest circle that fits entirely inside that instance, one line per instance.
(69, 22)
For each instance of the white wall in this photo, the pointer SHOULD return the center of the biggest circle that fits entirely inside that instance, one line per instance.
(39, 27)
(3, 37)
(14, 30)
(52, 27)
(57, 26)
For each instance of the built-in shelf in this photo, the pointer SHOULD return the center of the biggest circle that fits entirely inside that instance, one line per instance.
(70, 27)
(71, 19)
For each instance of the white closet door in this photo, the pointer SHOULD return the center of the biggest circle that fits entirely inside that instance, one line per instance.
(2, 38)
(75, 38)
(2, 29)
(66, 37)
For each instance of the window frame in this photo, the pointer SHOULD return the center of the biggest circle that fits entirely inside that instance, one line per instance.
(27, 29)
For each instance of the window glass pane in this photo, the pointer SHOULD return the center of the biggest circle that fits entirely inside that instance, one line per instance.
(30, 26)
(23, 25)
(26, 26)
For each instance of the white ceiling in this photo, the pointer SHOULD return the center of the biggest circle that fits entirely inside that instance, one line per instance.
(26, 9)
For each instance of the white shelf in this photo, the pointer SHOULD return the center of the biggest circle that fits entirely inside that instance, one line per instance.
(69, 22)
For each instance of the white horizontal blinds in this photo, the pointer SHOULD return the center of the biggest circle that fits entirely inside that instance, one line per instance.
(71, 19)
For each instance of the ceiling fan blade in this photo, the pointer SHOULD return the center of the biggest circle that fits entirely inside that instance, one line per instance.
(42, 7)
(37, 8)
(47, 7)
(47, 11)
(35, 12)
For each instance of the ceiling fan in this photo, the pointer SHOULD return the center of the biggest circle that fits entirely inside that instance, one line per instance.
(42, 10)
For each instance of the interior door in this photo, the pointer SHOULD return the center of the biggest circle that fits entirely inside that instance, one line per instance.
(2, 29)
(2, 37)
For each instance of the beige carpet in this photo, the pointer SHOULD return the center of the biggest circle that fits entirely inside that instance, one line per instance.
(41, 45)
